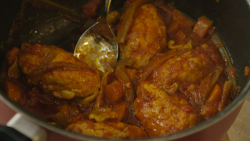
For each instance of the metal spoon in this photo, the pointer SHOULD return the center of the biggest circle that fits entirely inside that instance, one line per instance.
(97, 47)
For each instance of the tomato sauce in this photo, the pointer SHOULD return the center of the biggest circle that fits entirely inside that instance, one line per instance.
(170, 77)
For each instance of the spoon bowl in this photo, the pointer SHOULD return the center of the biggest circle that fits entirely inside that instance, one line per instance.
(97, 46)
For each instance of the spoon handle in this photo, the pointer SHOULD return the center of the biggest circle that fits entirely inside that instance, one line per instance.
(107, 5)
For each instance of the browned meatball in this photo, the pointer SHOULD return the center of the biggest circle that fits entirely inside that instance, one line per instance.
(146, 37)
(115, 130)
(188, 68)
(57, 72)
(67, 82)
(33, 58)
(161, 114)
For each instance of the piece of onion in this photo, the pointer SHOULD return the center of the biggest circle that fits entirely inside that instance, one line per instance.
(208, 83)
(100, 97)
(122, 76)
(226, 91)
(88, 99)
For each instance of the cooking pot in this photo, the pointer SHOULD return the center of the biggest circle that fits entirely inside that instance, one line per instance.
(231, 19)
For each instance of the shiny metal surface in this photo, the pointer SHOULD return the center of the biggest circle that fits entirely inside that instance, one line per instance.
(97, 46)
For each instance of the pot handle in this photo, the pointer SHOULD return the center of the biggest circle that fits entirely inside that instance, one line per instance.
(20, 129)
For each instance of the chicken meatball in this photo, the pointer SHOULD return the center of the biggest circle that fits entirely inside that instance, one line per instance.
(188, 68)
(146, 37)
(57, 72)
(161, 114)
(115, 130)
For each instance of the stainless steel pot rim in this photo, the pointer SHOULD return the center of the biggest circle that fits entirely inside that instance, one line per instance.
(237, 102)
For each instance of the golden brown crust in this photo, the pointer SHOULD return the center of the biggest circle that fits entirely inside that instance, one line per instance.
(186, 69)
(58, 72)
(113, 130)
(161, 114)
(146, 37)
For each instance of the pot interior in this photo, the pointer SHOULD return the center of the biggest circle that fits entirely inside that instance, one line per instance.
(230, 19)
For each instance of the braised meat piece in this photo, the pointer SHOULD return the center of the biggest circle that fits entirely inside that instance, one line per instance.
(115, 130)
(146, 37)
(57, 71)
(188, 68)
(161, 114)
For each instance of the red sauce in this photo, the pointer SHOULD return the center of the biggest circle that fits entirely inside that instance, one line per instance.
(189, 85)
